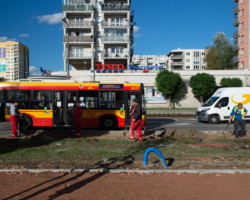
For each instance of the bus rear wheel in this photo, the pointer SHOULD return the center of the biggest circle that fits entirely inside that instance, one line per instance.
(109, 122)
(26, 122)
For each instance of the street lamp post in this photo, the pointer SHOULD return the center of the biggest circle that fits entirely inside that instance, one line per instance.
(67, 31)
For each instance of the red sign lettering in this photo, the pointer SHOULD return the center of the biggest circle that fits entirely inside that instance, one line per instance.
(110, 67)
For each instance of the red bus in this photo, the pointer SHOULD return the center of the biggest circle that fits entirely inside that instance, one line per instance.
(104, 105)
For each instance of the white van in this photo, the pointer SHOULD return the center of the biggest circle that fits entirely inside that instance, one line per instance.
(220, 105)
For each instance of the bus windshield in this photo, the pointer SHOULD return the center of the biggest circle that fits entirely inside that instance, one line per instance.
(210, 101)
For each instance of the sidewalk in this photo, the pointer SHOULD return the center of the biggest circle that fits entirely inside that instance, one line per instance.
(191, 112)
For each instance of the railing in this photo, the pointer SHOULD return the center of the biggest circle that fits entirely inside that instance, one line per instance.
(82, 55)
(236, 21)
(236, 10)
(115, 7)
(78, 39)
(78, 8)
(235, 47)
(235, 34)
(116, 55)
(114, 38)
(177, 63)
(114, 24)
(76, 24)
(177, 57)
(235, 59)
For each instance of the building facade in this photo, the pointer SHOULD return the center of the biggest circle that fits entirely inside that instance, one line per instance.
(150, 60)
(14, 61)
(242, 34)
(187, 59)
(99, 32)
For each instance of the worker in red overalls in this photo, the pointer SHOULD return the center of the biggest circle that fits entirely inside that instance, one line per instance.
(77, 112)
(15, 114)
(136, 119)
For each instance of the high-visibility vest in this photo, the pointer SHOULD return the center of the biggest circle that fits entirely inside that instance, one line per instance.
(242, 112)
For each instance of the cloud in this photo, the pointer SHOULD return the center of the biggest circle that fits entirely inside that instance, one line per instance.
(136, 29)
(24, 35)
(34, 70)
(4, 39)
(51, 19)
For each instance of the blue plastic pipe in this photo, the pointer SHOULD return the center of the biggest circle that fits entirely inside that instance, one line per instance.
(159, 154)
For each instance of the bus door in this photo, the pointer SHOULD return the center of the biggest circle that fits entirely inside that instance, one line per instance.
(2, 106)
(59, 108)
(71, 102)
(130, 96)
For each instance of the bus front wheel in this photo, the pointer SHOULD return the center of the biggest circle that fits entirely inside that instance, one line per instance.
(109, 122)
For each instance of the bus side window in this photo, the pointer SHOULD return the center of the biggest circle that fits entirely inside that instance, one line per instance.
(88, 99)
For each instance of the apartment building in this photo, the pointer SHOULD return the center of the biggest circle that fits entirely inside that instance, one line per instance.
(242, 34)
(187, 59)
(99, 32)
(14, 61)
(150, 60)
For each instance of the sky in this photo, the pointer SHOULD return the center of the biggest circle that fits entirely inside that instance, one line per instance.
(161, 25)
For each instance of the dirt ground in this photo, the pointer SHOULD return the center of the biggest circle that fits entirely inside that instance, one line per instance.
(124, 186)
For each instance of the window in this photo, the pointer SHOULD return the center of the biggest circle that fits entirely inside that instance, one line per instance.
(242, 38)
(242, 64)
(242, 12)
(111, 100)
(187, 67)
(242, 51)
(188, 54)
(242, 25)
(187, 60)
(88, 99)
(222, 102)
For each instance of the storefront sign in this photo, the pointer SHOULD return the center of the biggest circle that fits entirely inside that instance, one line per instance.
(110, 66)
(2, 53)
(160, 67)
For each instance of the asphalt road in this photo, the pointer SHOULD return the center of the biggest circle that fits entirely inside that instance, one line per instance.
(156, 124)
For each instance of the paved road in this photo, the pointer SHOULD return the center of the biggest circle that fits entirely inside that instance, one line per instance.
(157, 123)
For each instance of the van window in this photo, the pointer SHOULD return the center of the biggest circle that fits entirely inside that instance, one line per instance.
(223, 102)
(210, 101)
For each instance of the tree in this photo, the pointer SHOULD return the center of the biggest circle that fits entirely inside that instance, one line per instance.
(231, 82)
(2, 79)
(203, 86)
(220, 54)
(170, 84)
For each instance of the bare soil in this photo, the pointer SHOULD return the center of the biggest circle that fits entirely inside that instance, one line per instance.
(69, 186)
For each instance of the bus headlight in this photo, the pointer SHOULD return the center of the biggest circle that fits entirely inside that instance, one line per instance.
(206, 109)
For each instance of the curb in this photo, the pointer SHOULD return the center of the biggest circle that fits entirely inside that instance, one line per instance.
(117, 171)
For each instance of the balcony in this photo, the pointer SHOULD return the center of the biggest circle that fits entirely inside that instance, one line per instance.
(235, 47)
(115, 7)
(173, 57)
(79, 56)
(236, 10)
(124, 55)
(79, 24)
(177, 63)
(114, 24)
(236, 21)
(89, 8)
(235, 34)
(236, 59)
(78, 39)
(115, 39)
